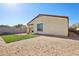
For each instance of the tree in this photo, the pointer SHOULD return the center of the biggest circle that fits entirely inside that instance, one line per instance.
(4, 26)
(19, 25)
(75, 25)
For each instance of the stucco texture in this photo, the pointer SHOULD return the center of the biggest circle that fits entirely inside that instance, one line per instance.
(51, 25)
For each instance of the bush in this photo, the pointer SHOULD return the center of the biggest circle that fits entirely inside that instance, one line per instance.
(77, 32)
(72, 30)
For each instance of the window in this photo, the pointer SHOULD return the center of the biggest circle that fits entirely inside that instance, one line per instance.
(40, 27)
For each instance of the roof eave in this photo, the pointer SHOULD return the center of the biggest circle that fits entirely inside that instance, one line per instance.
(47, 15)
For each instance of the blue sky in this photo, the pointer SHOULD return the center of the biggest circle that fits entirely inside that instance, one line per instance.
(12, 14)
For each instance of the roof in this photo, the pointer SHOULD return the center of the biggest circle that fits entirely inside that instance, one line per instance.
(47, 15)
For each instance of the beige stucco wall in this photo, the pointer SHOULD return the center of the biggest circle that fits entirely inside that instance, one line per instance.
(51, 25)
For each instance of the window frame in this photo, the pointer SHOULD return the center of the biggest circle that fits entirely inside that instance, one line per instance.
(40, 27)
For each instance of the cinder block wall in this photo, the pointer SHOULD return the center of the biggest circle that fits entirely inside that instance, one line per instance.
(14, 30)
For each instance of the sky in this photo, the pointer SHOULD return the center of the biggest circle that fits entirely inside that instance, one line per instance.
(22, 13)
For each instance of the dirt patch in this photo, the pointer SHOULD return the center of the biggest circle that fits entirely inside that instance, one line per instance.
(73, 36)
(22, 34)
(43, 46)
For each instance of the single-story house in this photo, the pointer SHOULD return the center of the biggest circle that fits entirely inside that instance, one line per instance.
(49, 25)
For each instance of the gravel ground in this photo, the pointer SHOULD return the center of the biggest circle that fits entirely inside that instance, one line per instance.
(41, 46)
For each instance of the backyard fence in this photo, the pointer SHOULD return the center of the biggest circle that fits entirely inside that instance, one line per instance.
(12, 30)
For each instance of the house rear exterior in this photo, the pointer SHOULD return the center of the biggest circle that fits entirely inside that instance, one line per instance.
(49, 25)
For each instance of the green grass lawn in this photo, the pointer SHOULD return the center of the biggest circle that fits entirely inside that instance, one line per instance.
(13, 38)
